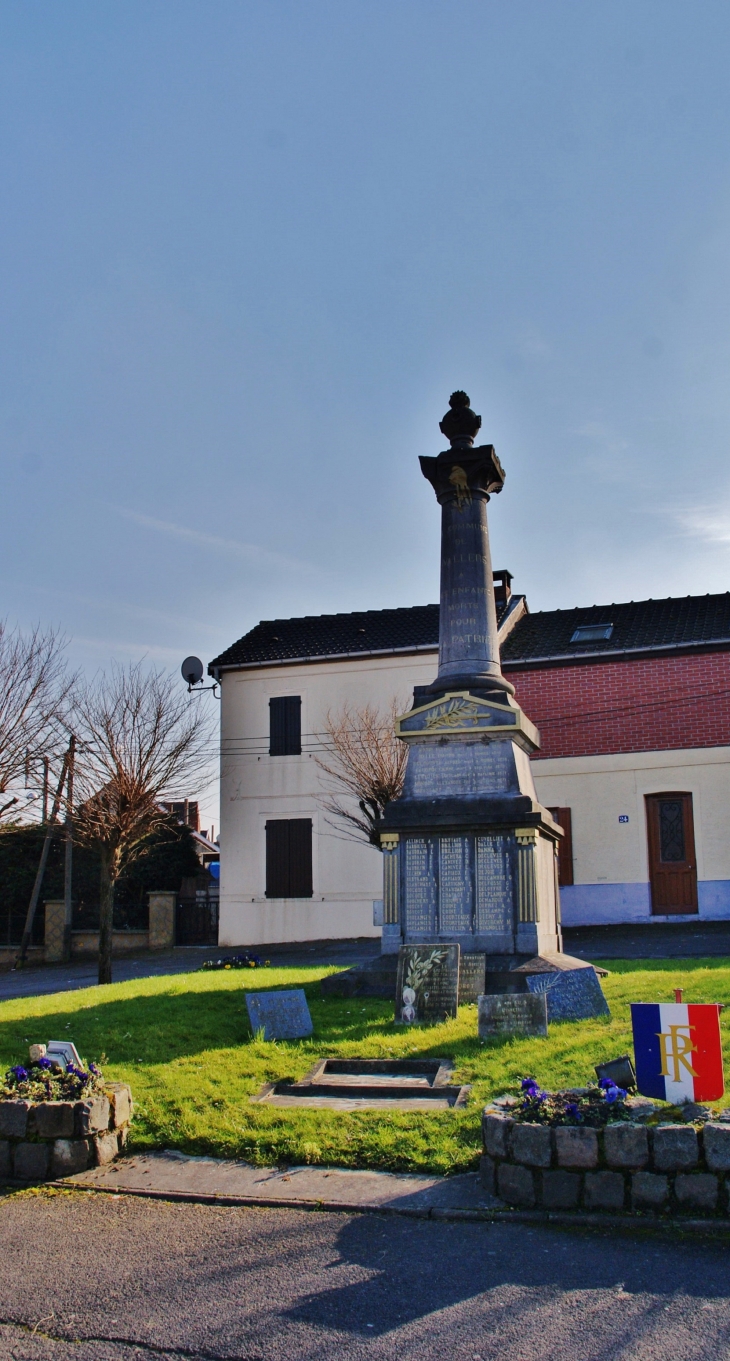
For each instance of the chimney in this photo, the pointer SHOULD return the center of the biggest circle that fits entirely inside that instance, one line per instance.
(502, 589)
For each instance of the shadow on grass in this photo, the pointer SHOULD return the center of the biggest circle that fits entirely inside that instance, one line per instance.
(160, 1027)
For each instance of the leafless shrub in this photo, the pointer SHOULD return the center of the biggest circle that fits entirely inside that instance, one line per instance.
(35, 690)
(141, 740)
(365, 764)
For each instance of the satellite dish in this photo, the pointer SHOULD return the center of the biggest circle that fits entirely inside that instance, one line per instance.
(192, 670)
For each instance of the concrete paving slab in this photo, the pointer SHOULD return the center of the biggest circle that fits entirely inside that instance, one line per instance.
(177, 1176)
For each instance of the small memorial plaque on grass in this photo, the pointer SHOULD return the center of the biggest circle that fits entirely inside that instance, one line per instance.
(281, 1015)
(428, 983)
(471, 978)
(572, 994)
(521, 1013)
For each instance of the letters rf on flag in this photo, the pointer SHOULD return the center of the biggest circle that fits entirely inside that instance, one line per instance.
(678, 1051)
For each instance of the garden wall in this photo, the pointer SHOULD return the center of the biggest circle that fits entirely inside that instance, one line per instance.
(50, 1139)
(85, 944)
(622, 1167)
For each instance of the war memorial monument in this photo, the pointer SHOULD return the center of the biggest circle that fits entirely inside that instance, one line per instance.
(469, 852)
(470, 882)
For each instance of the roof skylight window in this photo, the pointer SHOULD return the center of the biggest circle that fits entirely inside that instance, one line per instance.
(592, 633)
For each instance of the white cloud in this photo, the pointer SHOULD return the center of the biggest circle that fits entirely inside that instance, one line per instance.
(230, 548)
(115, 647)
(709, 523)
(124, 607)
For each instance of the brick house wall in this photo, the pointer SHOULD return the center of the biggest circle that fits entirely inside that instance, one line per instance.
(651, 704)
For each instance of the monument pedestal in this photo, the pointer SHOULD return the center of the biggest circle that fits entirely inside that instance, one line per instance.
(469, 852)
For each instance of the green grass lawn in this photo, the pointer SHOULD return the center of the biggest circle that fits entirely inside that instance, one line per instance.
(185, 1045)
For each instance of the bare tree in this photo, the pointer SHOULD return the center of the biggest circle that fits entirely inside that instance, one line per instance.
(365, 763)
(35, 689)
(141, 740)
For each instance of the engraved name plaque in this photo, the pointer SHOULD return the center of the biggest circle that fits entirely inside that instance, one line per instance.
(512, 1014)
(455, 884)
(494, 886)
(472, 968)
(419, 884)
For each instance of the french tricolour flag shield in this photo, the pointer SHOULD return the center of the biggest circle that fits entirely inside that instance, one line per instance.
(677, 1051)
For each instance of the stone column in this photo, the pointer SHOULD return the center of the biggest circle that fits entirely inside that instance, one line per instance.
(391, 937)
(55, 934)
(527, 899)
(463, 478)
(162, 920)
(468, 635)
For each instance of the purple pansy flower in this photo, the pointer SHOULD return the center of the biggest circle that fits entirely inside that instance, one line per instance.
(20, 1072)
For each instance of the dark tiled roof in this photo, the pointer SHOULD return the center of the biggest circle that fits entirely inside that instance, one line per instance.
(641, 625)
(335, 635)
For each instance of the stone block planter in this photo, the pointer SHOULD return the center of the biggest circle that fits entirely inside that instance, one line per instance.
(41, 1141)
(660, 1169)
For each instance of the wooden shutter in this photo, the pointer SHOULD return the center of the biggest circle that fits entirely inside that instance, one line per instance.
(289, 858)
(300, 858)
(285, 725)
(277, 859)
(565, 848)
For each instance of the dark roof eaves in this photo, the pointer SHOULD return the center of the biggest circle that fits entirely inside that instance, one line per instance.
(616, 654)
(213, 669)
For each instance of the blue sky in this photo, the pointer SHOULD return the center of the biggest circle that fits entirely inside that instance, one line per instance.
(248, 249)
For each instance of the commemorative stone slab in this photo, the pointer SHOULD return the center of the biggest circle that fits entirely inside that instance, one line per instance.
(471, 978)
(572, 994)
(427, 987)
(281, 1015)
(512, 1014)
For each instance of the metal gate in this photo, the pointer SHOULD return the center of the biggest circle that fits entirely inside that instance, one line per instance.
(197, 920)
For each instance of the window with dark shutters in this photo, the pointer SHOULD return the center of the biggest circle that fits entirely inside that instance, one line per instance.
(285, 726)
(289, 858)
(565, 849)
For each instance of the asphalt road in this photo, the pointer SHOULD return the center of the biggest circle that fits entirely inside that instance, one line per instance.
(651, 941)
(38, 980)
(97, 1278)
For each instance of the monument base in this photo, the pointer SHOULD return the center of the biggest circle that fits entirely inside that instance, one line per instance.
(469, 852)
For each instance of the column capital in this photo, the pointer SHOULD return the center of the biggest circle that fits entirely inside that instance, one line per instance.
(389, 840)
(458, 473)
(526, 836)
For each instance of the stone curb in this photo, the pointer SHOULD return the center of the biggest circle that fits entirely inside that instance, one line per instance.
(623, 1167)
(555, 1218)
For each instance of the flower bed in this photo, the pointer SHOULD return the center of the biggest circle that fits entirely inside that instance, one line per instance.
(241, 961)
(592, 1149)
(586, 1107)
(55, 1121)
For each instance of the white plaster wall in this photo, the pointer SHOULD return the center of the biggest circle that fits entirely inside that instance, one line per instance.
(347, 875)
(610, 858)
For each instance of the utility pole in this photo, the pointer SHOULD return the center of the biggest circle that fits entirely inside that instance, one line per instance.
(45, 790)
(35, 895)
(68, 864)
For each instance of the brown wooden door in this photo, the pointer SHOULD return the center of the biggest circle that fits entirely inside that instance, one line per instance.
(565, 848)
(672, 863)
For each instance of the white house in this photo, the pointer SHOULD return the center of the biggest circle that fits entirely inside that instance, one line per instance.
(633, 705)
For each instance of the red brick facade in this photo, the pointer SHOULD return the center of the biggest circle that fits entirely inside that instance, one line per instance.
(654, 704)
